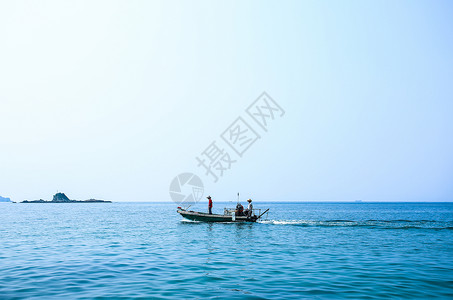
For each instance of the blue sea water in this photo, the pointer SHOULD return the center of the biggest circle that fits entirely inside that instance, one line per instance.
(303, 251)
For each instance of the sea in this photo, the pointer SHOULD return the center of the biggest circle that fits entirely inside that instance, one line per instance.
(301, 250)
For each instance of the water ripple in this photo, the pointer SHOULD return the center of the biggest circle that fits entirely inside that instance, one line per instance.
(305, 251)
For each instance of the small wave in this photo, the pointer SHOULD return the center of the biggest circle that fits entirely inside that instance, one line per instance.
(339, 221)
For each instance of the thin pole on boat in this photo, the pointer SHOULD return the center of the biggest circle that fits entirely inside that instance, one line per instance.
(238, 197)
(263, 213)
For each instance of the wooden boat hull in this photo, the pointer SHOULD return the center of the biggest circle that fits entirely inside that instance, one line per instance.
(204, 217)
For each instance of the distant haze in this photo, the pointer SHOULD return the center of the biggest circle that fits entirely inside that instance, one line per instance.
(113, 99)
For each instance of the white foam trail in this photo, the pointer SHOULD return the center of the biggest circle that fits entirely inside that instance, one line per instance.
(287, 222)
(190, 221)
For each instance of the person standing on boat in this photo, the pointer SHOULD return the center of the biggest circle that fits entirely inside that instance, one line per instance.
(210, 205)
(249, 208)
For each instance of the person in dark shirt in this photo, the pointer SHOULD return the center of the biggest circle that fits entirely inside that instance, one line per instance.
(239, 210)
(210, 205)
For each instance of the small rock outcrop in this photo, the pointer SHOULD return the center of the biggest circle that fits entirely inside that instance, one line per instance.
(60, 197)
(3, 199)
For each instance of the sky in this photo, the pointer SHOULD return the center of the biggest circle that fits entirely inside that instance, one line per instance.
(114, 99)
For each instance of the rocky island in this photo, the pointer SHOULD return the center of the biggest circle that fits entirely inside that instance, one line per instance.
(62, 198)
(2, 199)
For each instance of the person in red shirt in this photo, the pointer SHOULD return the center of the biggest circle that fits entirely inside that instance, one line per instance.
(210, 205)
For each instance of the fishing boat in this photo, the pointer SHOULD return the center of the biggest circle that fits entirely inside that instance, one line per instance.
(229, 215)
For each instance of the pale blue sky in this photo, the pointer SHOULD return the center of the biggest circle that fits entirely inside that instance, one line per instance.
(112, 99)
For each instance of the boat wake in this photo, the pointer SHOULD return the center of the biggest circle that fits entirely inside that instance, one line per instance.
(382, 224)
(190, 221)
